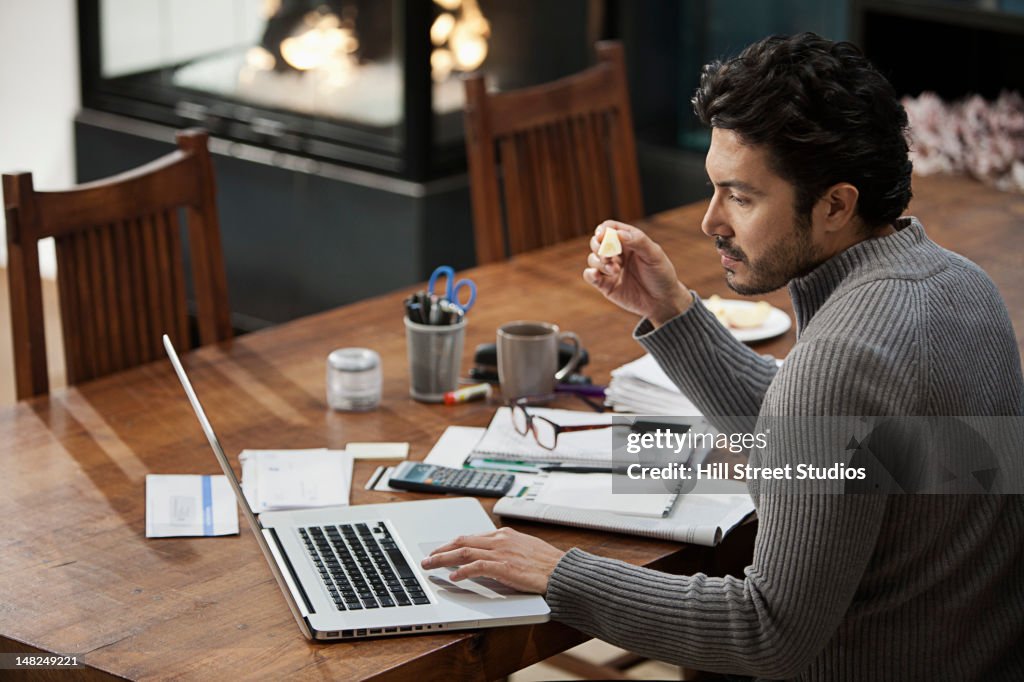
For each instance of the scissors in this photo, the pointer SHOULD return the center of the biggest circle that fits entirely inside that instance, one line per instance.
(452, 287)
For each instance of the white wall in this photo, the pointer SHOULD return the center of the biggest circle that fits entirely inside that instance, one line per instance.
(39, 97)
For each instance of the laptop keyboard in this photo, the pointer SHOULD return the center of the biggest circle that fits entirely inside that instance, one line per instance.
(353, 561)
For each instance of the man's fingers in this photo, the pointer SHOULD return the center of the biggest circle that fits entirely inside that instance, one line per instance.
(482, 541)
(626, 232)
(479, 541)
(456, 557)
(607, 266)
(483, 568)
(454, 544)
(595, 278)
(635, 241)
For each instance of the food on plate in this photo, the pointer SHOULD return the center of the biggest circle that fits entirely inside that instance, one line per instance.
(717, 307)
(610, 245)
(748, 316)
(736, 315)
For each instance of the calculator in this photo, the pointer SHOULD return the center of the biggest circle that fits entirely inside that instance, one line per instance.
(429, 478)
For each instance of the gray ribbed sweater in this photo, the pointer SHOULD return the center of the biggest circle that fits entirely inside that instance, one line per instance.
(855, 587)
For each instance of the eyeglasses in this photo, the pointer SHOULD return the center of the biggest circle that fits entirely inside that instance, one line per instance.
(545, 431)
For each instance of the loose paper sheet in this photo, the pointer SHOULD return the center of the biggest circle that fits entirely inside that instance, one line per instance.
(189, 505)
(377, 450)
(454, 446)
(295, 479)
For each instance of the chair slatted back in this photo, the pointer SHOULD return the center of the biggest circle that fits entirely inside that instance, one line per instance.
(120, 265)
(550, 162)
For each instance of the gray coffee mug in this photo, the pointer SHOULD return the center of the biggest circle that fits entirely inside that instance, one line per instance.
(528, 358)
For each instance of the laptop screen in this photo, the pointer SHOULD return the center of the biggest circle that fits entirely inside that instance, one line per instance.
(243, 503)
(218, 451)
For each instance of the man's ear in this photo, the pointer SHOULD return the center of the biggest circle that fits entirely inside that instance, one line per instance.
(837, 207)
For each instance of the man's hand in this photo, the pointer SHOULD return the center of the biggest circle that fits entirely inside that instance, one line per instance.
(641, 280)
(521, 561)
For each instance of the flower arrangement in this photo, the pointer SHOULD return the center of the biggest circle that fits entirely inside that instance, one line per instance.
(984, 139)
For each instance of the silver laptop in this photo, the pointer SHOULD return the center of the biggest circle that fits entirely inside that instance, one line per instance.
(350, 572)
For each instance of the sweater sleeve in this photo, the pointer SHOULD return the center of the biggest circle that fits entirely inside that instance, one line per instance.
(810, 555)
(701, 356)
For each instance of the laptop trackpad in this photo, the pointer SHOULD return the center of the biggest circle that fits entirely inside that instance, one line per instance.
(472, 588)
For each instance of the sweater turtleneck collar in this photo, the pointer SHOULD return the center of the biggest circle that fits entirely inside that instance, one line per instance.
(908, 253)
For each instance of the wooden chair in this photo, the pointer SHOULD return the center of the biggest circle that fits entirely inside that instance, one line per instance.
(566, 153)
(120, 270)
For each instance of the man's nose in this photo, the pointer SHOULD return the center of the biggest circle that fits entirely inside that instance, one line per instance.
(714, 222)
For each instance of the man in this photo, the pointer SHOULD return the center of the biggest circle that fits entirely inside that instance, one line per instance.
(809, 165)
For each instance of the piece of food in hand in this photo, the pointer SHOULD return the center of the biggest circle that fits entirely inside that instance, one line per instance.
(746, 317)
(610, 244)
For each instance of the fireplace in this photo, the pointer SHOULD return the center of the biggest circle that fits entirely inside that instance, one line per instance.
(371, 84)
(336, 125)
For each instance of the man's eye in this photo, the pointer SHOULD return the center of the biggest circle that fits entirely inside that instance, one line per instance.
(737, 200)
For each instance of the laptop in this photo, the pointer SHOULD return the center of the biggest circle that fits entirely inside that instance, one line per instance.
(352, 572)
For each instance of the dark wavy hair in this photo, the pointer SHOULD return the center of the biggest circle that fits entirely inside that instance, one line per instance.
(824, 114)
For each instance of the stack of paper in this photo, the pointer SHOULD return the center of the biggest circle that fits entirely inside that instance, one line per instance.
(295, 479)
(643, 387)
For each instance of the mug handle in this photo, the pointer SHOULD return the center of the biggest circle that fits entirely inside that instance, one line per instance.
(574, 360)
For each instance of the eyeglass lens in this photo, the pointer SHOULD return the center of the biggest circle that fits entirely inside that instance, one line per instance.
(545, 433)
(520, 420)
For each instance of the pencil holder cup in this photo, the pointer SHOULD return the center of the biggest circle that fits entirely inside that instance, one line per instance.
(435, 356)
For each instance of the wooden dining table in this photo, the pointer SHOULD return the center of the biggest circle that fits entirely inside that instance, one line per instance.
(78, 575)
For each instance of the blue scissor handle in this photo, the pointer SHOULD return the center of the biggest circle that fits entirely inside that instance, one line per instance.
(453, 286)
(464, 284)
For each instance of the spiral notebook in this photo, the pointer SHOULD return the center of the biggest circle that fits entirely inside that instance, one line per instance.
(502, 442)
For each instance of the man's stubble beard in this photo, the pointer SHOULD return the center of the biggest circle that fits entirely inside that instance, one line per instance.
(788, 259)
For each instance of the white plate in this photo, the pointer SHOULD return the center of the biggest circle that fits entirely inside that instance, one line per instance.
(778, 322)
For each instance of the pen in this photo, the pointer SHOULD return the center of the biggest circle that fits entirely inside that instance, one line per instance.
(424, 308)
(451, 312)
(644, 426)
(502, 465)
(596, 407)
(412, 310)
(592, 390)
(569, 469)
(435, 311)
(424, 300)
